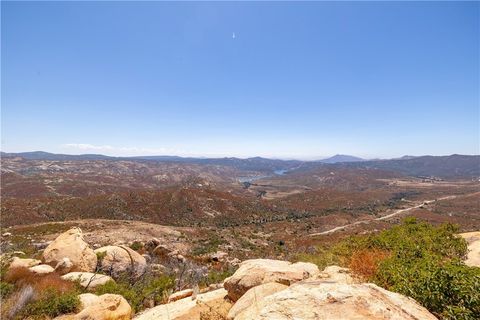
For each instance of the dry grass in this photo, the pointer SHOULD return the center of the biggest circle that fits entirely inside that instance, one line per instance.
(39, 282)
(36, 291)
(364, 263)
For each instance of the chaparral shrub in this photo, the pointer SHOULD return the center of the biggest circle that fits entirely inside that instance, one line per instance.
(416, 259)
(137, 293)
(52, 303)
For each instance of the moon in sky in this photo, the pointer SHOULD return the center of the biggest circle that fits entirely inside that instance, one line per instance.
(233, 35)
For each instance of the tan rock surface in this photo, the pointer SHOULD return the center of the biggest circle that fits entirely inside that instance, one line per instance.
(329, 300)
(105, 307)
(24, 263)
(180, 295)
(254, 296)
(89, 279)
(71, 245)
(64, 266)
(337, 274)
(188, 308)
(42, 269)
(121, 259)
(473, 240)
(254, 272)
(87, 300)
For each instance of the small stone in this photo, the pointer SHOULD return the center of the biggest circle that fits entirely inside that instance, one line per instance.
(180, 295)
(42, 269)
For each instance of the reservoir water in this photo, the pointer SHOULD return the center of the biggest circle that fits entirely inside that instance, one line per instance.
(250, 179)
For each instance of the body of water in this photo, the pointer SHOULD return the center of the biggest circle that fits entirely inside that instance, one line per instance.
(251, 179)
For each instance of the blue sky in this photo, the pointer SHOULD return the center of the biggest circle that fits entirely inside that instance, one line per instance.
(298, 80)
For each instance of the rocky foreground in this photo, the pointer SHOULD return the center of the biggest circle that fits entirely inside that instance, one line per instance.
(259, 289)
(272, 289)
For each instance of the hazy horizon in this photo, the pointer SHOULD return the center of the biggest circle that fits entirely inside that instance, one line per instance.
(283, 80)
(314, 158)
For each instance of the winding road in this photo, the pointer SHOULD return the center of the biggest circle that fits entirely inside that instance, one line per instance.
(388, 216)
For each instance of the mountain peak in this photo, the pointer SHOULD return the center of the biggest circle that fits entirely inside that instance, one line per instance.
(341, 158)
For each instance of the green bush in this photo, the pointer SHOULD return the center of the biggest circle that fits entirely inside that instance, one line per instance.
(52, 303)
(137, 293)
(100, 256)
(421, 261)
(208, 246)
(449, 289)
(5, 289)
(215, 276)
(136, 245)
(413, 240)
(337, 254)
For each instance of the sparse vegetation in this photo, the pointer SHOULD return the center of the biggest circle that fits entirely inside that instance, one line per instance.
(220, 214)
(141, 292)
(37, 296)
(136, 245)
(208, 245)
(5, 289)
(52, 303)
(216, 276)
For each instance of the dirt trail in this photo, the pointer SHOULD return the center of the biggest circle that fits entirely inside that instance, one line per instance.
(391, 215)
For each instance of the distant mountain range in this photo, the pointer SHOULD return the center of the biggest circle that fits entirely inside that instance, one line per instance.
(42, 155)
(455, 165)
(254, 164)
(440, 166)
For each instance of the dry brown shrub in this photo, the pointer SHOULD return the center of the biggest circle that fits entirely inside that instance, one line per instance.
(53, 280)
(40, 282)
(20, 276)
(364, 263)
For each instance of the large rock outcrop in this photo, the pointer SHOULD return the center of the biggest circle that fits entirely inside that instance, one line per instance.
(278, 292)
(121, 259)
(252, 273)
(70, 245)
(319, 300)
(254, 296)
(333, 295)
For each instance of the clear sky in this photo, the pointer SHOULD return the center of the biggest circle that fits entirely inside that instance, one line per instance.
(278, 79)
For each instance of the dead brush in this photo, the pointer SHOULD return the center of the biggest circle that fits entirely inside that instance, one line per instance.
(364, 263)
(22, 277)
(30, 288)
